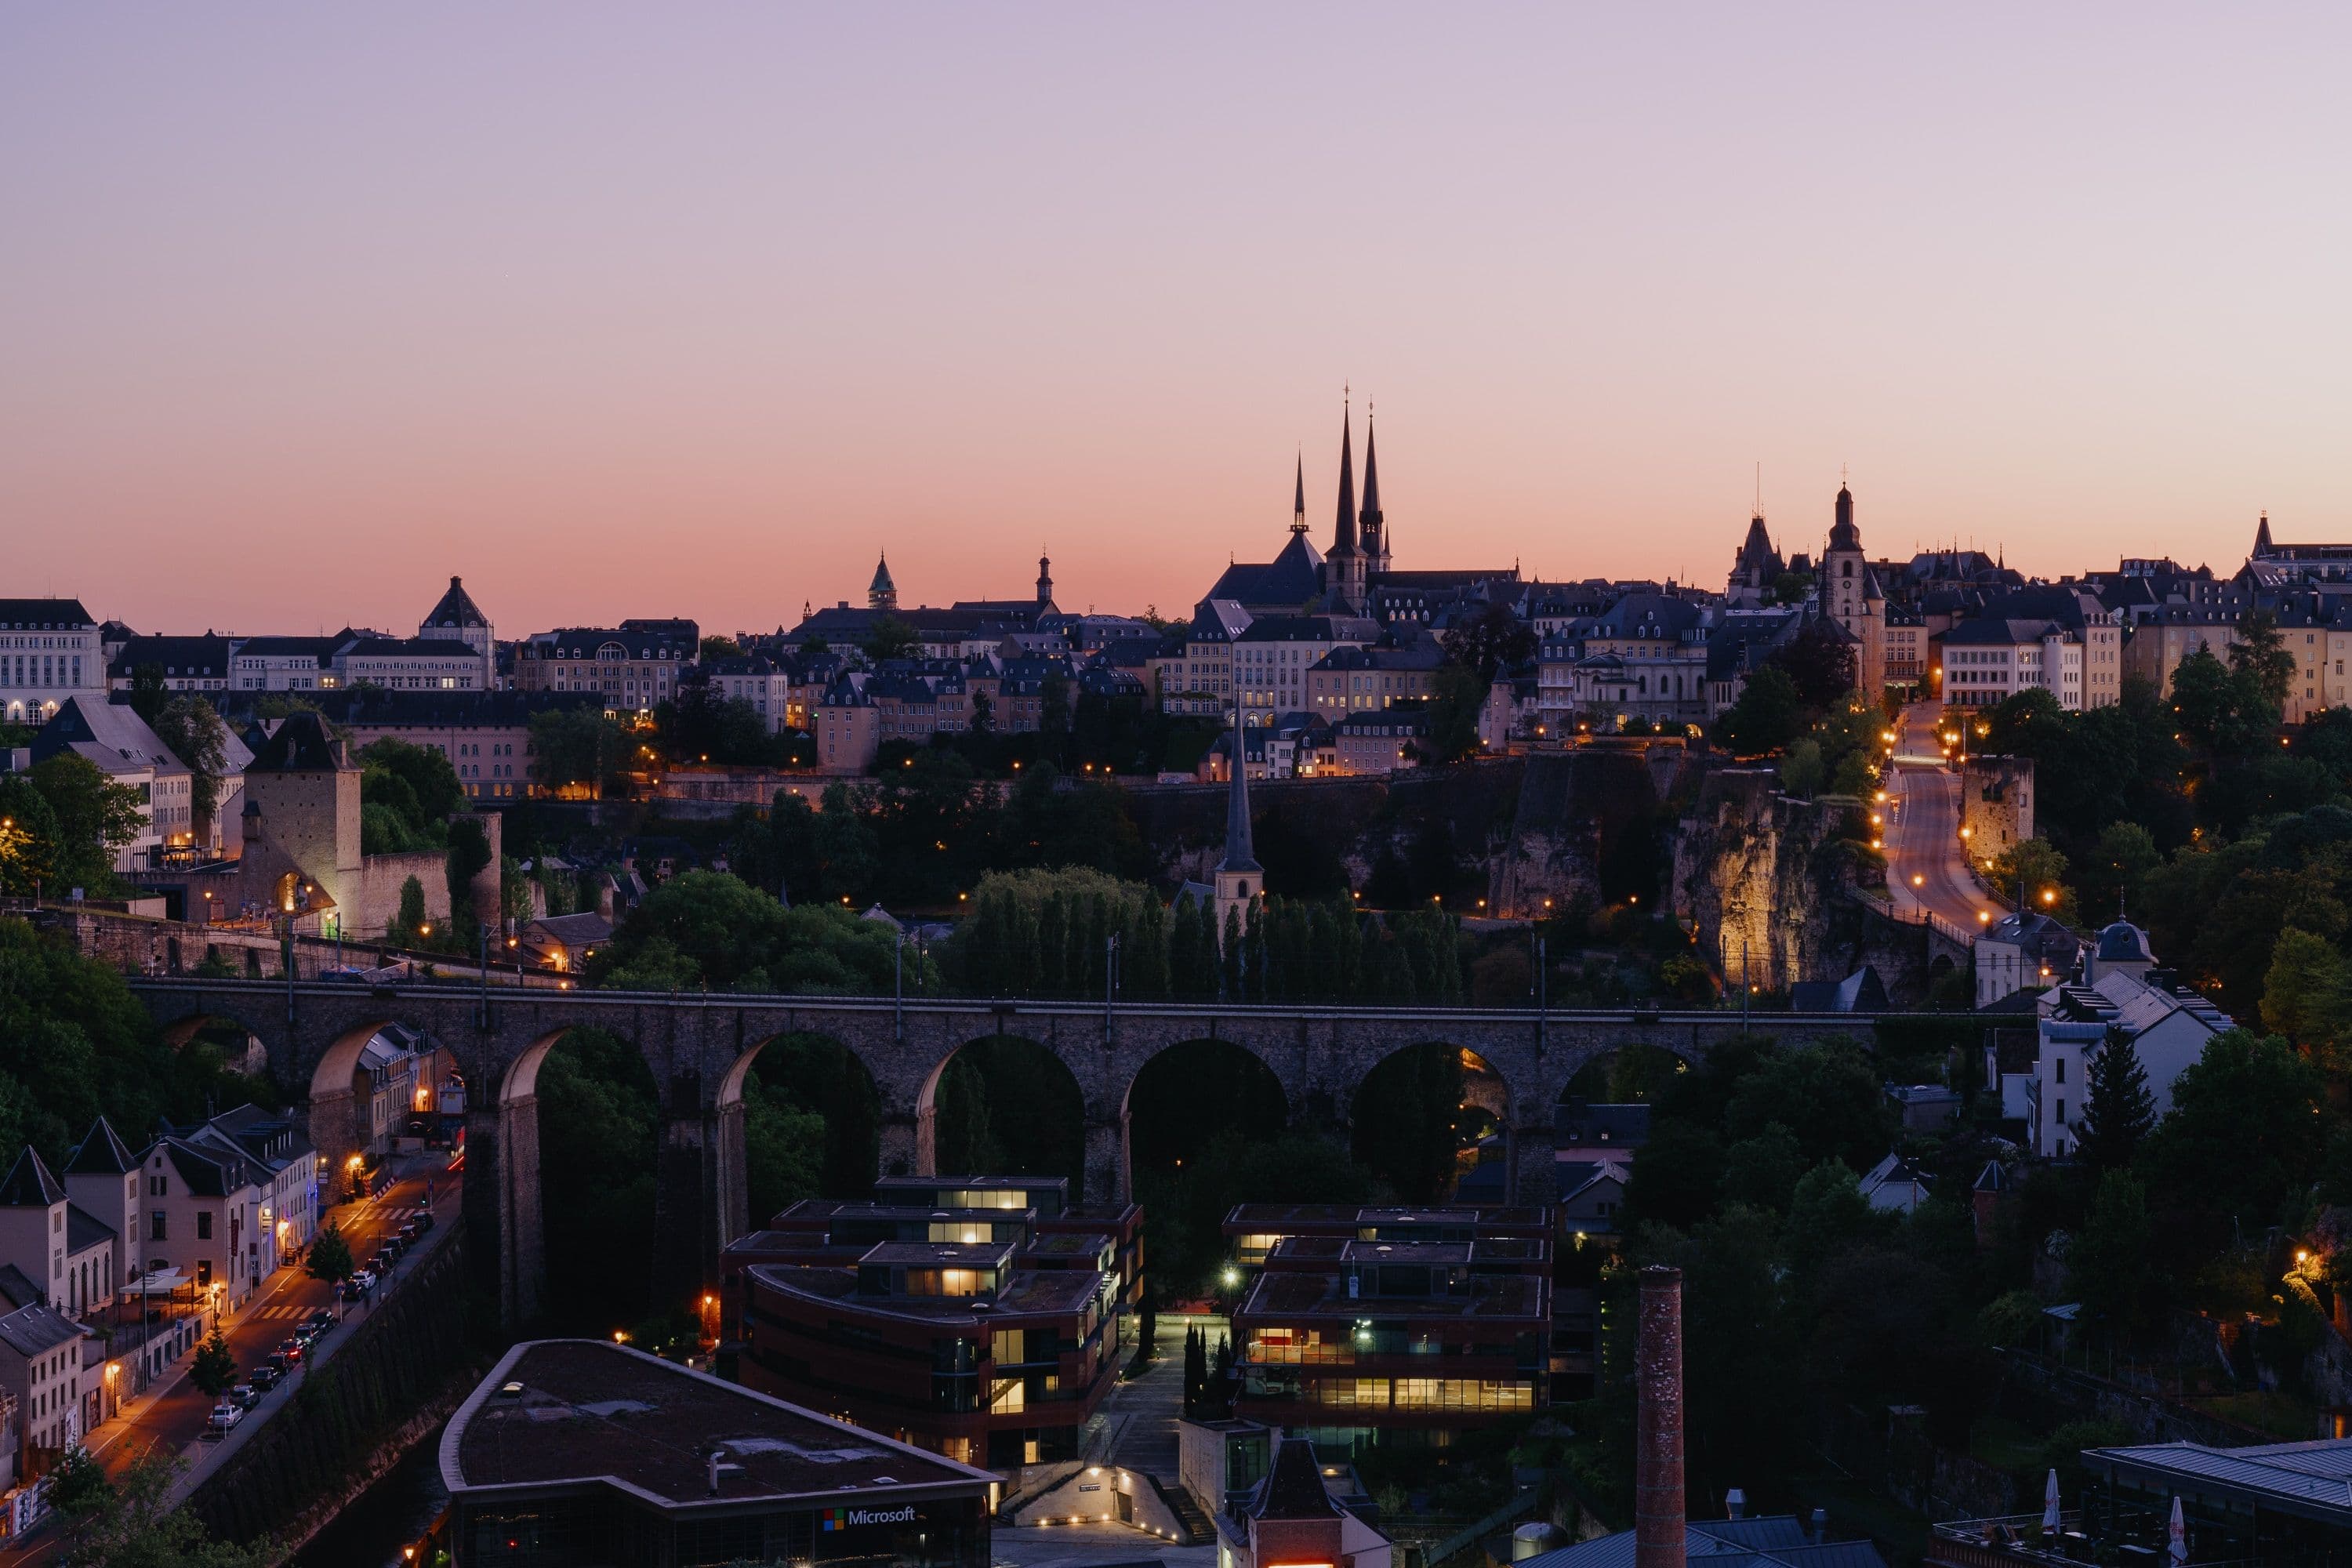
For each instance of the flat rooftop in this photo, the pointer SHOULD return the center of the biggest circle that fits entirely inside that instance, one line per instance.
(1278, 1296)
(588, 1411)
(1068, 1243)
(1274, 1216)
(940, 1254)
(1056, 1291)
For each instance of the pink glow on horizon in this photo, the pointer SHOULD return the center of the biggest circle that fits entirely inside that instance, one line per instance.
(303, 309)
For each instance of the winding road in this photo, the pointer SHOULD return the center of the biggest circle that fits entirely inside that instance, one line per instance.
(1927, 862)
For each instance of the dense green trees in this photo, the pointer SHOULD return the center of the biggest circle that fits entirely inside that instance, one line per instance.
(599, 1130)
(407, 794)
(577, 749)
(707, 930)
(74, 1042)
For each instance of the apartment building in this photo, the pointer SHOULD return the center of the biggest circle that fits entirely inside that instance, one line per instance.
(49, 653)
(634, 671)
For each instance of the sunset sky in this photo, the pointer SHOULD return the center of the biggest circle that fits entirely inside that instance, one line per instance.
(688, 309)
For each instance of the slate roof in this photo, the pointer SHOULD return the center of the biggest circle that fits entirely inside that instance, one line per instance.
(43, 613)
(100, 1153)
(85, 1230)
(178, 658)
(36, 1330)
(1293, 1488)
(298, 745)
(456, 608)
(29, 1183)
(1294, 576)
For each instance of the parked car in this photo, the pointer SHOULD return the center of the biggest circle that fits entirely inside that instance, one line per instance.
(244, 1395)
(224, 1416)
(276, 1365)
(357, 1287)
(289, 1351)
(408, 1232)
(422, 1219)
(264, 1376)
(320, 1322)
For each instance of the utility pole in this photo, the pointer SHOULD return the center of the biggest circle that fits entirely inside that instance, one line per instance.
(1111, 982)
(898, 982)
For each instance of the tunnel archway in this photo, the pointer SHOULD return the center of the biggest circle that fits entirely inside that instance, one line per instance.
(1004, 1101)
(1426, 1118)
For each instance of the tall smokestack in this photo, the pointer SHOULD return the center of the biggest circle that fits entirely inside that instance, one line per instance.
(1658, 1422)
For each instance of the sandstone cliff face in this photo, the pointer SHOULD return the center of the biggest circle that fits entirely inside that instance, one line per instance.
(1589, 828)
(1758, 873)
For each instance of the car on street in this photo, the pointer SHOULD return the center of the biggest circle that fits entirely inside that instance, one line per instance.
(408, 1232)
(224, 1416)
(244, 1395)
(357, 1287)
(320, 1320)
(277, 1366)
(422, 1219)
(291, 1350)
(264, 1376)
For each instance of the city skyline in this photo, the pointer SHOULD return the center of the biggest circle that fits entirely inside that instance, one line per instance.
(615, 319)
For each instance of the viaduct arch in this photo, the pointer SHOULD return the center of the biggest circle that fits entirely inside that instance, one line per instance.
(699, 1049)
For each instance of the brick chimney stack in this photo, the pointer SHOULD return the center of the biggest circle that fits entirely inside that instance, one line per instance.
(1658, 1505)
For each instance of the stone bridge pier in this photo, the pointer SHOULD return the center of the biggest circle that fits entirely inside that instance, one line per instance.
(699, 1051)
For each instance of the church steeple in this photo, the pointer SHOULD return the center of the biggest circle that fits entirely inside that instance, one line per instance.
(2261, 536)
(882, 594)
(1376, 550)
(1045, 579)
(1299, 501)
(1239, 876)
(1343, 531)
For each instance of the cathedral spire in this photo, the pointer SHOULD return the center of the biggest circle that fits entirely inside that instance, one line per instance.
(2262, 536)
(1371, 516)
(1298, 500)
(1343, 534)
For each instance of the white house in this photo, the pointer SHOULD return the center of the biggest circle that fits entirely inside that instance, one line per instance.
(2120, 993)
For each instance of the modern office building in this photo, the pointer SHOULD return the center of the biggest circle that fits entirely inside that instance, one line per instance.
(951, 1346)
(1354, 1341)
(574, 1452)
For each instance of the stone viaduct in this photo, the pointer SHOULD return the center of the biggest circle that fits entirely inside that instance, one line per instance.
(700, 1047)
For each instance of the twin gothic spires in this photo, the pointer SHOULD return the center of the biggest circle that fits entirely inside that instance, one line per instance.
(1360, 546)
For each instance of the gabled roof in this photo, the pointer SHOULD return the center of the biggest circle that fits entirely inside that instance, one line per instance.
(110, 734)
(17, 1289)
(37, 1329)
(29, 1183)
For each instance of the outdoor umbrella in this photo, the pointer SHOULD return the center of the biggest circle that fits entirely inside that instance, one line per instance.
(2050, 1504)
(2177, 1537)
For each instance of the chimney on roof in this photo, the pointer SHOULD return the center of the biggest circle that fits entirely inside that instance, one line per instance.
(1658, 1506)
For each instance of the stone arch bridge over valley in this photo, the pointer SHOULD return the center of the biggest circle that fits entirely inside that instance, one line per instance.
(699, 1049)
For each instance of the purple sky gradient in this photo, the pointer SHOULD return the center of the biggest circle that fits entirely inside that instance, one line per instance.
(654, 310)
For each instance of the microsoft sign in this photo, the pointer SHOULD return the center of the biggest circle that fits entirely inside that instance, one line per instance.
(847, 1518)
